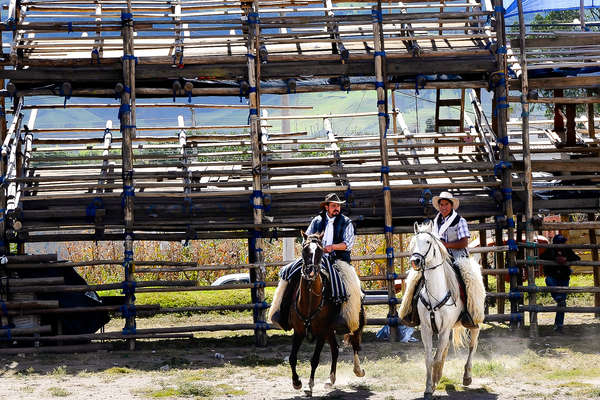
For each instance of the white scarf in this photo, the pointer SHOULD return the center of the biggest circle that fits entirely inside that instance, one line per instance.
(328, 235)
(440, 230)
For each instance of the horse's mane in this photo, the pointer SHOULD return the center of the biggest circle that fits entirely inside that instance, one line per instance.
(449, 273)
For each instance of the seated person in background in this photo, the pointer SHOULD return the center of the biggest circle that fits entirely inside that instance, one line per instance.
(558, 275)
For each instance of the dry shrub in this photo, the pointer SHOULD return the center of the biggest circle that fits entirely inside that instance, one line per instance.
(207, 252)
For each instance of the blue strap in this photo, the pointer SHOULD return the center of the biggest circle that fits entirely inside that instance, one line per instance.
(251, 56)
(387, 121)
(96, 55)
(503, 140)
(379, 84)
(423, 80)
(126, 16)
(499, 9)
(510, 222)
(253, 111)
(393, 321)
(128, 287)
(8, 333)
(507, 193)
(381, 102)
(393, 300)
(130, 57)
(128, 310)
(123, 127)
(349, 197)
(531, 245)
(513, 295)
(253, 18)
(389, 252)
(384, 170)
(128, 191)
(287, 84)
(260, 306)
(258, 284)
(125, 108)
(501, 50)
(516, 317)
(261, 326)
(513, 270)
(500, 166)
(512, 245)
(524, 114)
(129, 331)
(69, 27)
(386, 188)
(377, 16)
(379, 53)
(388, 229)
(390, 276)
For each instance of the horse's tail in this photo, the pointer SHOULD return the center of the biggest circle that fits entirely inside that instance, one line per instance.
(460, 336)
(357, 333)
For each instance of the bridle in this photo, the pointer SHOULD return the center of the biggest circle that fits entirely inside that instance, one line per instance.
(429, 305)
(423, 257)
(307, 320)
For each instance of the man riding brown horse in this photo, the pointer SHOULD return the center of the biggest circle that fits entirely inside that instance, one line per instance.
(338, 239)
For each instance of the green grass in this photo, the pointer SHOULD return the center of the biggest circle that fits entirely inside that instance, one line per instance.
(58, 392)
(488, 368)
(196, 298)
(195, 390)
(119, 370)
(61, 370)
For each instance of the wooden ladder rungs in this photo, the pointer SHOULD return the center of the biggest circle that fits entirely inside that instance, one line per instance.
(448, 122)
(449, 102)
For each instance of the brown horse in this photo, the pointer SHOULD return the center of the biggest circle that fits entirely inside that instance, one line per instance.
(314, 314)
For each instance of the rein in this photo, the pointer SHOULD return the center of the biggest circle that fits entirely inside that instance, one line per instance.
(428, 305)
(307, 320)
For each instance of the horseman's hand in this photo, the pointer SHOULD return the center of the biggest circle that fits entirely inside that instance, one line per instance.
(328, 249)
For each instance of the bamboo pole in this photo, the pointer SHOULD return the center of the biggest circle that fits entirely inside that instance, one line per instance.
(382, 109)
(127, 121)
(527, 173)
(255, 244)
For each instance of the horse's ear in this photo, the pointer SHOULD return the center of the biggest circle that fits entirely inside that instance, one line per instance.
(429, 226)
(320, 235)
(416, 227)
(304, 236)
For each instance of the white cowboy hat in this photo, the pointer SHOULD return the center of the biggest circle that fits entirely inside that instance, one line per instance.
(445, 196)
(331, 198)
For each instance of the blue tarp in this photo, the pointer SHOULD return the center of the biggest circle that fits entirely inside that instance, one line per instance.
(530, 6)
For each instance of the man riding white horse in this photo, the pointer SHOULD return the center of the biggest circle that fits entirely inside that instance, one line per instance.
(453, 231)
(338, 239)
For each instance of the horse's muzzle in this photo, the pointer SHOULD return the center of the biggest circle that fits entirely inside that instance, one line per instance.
(309, 272)
(417, 262)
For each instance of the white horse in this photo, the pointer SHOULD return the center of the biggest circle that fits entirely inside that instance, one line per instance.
(440, 305)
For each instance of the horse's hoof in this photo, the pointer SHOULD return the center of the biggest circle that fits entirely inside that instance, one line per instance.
(427, 396)
(297, 385)
(359, 372)
(331, 379)
(467, 381)
(308, 393)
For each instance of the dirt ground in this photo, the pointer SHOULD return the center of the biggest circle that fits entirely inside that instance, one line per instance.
(508, 365)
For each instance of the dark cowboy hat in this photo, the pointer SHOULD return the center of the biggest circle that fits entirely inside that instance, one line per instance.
(331, 198)
(559, 239)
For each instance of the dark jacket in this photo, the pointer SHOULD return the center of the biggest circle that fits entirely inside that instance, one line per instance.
(559, 271)
(339, 227)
